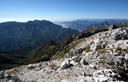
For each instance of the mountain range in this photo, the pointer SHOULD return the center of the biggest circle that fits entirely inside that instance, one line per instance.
(82, 24)
(35, 41)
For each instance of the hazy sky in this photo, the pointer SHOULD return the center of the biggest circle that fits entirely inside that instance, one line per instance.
(59, 10)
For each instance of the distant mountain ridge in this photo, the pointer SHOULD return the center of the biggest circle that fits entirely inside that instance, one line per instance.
(82, 24)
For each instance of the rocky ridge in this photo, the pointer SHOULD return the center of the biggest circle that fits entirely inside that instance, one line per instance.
(102, 57)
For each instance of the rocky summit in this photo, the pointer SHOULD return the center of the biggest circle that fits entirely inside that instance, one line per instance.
(102, 57)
